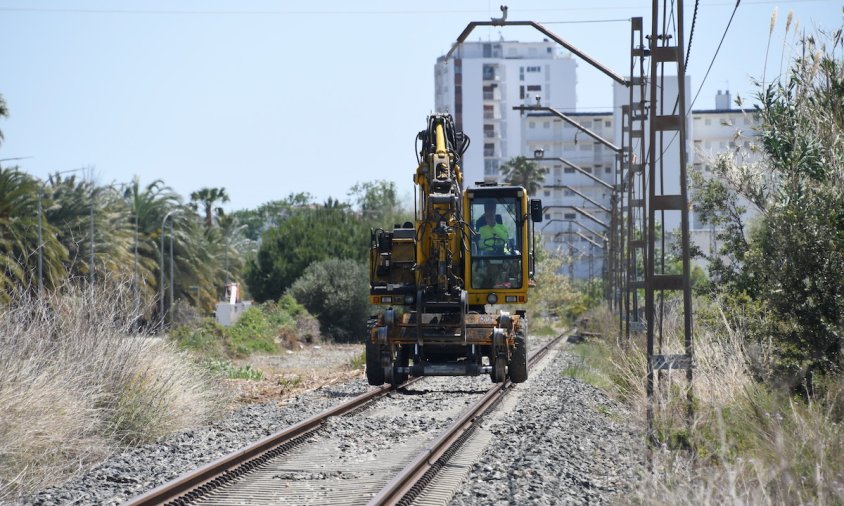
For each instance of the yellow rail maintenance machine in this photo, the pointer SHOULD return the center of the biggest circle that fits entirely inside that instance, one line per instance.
(440, 279)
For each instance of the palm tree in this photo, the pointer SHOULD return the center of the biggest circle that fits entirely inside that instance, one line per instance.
(19, 193)
(522, 172)
(4, 112)
(208, 197)
(79, 208)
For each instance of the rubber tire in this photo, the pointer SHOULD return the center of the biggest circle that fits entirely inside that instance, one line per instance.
(374, 370)
(518, 370)
(403, 360)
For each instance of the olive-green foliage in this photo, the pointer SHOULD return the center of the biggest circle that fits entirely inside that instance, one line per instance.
(270, 214)
(208, 338)
(337, 293)
(792, 259)
(306, 236)
(19, 236)
(231, 371)
(257, 331)
(378, 203)
(252, 333)
(553, 295)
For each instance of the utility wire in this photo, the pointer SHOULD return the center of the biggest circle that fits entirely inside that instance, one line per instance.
(703, 81)
(691, 35)
(712, 62)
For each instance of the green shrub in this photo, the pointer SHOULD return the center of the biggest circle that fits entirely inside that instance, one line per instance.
(337, 293)
(208, 339)
(305, 237)
(252, 333)
(229, 370)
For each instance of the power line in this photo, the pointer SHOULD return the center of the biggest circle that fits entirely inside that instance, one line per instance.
(691, 34)
(712, 62)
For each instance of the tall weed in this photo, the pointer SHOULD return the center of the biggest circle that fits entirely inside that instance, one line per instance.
(752, 442)
(79, 381)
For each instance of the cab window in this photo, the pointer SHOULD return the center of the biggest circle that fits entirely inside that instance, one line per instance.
(496, 243)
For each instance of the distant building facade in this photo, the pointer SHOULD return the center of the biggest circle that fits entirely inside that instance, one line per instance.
(482, 82)
(579, 232)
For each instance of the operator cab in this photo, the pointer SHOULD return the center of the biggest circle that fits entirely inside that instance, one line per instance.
(500, 260)
(496, 242)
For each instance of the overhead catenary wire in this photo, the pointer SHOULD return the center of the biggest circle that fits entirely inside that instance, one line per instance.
(691, 34)
(705, 76)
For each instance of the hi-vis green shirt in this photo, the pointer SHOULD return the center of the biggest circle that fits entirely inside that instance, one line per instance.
(487, 232)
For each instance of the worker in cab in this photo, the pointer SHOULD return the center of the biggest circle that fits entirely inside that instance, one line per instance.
(493, 236)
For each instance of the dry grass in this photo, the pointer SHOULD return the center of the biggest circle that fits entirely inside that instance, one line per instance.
(752, 443)
(77, 383)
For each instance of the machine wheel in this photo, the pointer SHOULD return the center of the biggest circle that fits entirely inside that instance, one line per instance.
(374, 370)
(518, 362)
(402, 360)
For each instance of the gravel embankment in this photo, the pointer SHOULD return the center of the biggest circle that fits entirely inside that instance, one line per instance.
(135, 471)
(565, 442)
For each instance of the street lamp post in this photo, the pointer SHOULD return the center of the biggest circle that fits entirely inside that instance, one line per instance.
(40, 243)
(172, 278)
(161, 270)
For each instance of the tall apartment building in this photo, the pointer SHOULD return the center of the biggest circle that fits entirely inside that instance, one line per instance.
(483, 81)
(579, 233)
(481, 84)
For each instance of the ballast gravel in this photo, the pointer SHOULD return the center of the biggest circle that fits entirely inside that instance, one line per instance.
(138, 470)
(564, 442)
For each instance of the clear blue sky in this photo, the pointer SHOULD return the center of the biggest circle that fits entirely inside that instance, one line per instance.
(266, 98)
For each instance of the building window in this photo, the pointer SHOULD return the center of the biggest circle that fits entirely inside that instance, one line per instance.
(534, 87)
(489, 112)
(569, 216)
(491, 167)
(568, 193)
(547, 193)
(487, 50)
(489, 72)
(569, 170)
(534, 69)
(547, 216)
(546, 124)
(521, 73)
(521, 92)
(707, 121)
(489, 149)
(489, 131)
(607, 170)
(531, 124)
(607, 124)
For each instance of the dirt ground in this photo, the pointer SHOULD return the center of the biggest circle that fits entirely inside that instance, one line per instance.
(292, 372)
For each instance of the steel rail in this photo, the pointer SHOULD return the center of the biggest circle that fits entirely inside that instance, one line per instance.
(413, 473)
(189, 482)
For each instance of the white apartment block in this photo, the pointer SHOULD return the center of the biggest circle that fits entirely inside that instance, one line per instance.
(482, 82)
(571, 231)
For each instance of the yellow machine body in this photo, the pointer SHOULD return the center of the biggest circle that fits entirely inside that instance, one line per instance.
(441, 278)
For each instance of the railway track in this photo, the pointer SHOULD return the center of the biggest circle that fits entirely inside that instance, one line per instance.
(344, 454)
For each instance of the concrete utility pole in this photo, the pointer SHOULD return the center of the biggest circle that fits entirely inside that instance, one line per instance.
(161, 270)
